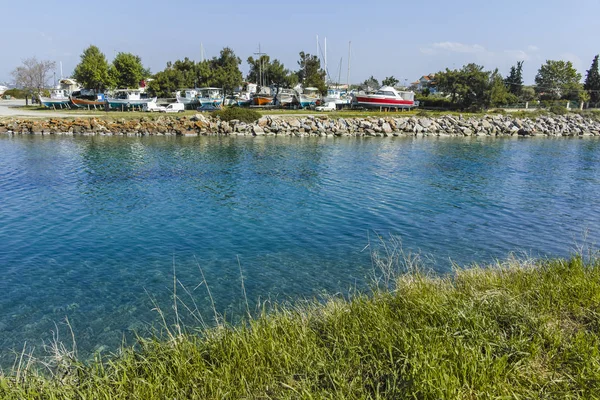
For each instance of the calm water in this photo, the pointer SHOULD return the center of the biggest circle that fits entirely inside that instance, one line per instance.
(92, 227)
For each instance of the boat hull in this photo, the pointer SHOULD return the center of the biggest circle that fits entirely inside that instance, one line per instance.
(262, 100)
(54, 103)
(210, 104)
(83, 103)
(369, 101)
(125, 103)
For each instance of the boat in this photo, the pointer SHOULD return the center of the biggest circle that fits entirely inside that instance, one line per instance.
(3, 89)
(386, 96)
(337, 96)
(263, 97)
(285, 98)
(59, 98)
(309, 97)
(88, 98)
(189, 98)
(210, 99)
(124, 99)
(244, 99)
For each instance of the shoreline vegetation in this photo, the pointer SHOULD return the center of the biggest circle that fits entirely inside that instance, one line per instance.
(518, 329)
(242, 122)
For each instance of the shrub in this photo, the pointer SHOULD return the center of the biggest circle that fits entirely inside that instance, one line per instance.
(559, 110)
(432, 102)
(242, 114)
(15, 93)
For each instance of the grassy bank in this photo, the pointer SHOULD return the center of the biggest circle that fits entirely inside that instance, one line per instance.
(511, 331)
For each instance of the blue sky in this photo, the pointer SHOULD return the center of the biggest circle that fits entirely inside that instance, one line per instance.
(399, 38)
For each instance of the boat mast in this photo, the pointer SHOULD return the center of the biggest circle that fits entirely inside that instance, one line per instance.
(325, 56)
(260, 65)
(348, 76)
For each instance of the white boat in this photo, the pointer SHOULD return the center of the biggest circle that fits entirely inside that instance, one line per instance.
(285, 97)
(129, 98)
(60, 96)
(386, 96)
(309, 97)
(210, 98)
(337, 96)
(3, 89)
(190, 96)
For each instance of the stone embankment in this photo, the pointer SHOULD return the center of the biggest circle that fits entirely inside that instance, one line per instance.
(318, 125)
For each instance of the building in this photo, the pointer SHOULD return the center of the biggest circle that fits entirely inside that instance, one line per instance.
(424, 82)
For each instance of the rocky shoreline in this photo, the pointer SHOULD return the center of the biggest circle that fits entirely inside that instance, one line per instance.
(312, 125)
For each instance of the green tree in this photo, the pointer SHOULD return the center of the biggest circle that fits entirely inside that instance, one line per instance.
(592, 82)
(370, 84)
(259, 67)
(499, 94)
(92, 70)
(468, 87)
(267, 72)
(558, 80)
(390, 81)
(178, 75)
(528, 93)
(223, 71)
(514, 80)
(473, 88)
(310, 73)
(127, 71)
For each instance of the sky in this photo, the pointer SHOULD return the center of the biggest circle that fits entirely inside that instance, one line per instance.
(388, 38)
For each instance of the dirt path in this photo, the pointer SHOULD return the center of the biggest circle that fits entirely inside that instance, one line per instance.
(12, 108)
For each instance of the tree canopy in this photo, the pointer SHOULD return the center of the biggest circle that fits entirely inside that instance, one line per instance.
(263, 71)
(514, 80)
(370, 84)
(592, 82)
(390, 81)
(178, 75)
(558, 80)
(223, 71)
(310, 73)
(92, 70)
(472, 87)
(127, 71)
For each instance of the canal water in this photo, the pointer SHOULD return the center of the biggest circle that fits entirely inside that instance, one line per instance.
(96, 228)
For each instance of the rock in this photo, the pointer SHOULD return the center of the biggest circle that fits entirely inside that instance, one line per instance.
(200, 118)
(386, 128)
(263, 121)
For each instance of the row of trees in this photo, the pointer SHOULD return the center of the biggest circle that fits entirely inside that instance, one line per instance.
(473, 87)
(469, 87)
(224, 72)
(127, 71)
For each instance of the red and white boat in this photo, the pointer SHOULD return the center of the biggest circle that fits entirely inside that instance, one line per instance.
(386, 96)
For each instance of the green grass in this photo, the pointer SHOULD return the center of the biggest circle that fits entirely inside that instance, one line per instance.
(519, 330)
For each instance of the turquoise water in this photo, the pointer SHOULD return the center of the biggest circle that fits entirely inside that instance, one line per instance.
(92, 228)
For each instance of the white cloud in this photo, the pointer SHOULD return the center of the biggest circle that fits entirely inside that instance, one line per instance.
(532, 47)
(456, 47)
(518, 55)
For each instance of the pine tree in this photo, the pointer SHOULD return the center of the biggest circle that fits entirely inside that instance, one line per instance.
(592, 82)
(514, 80)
